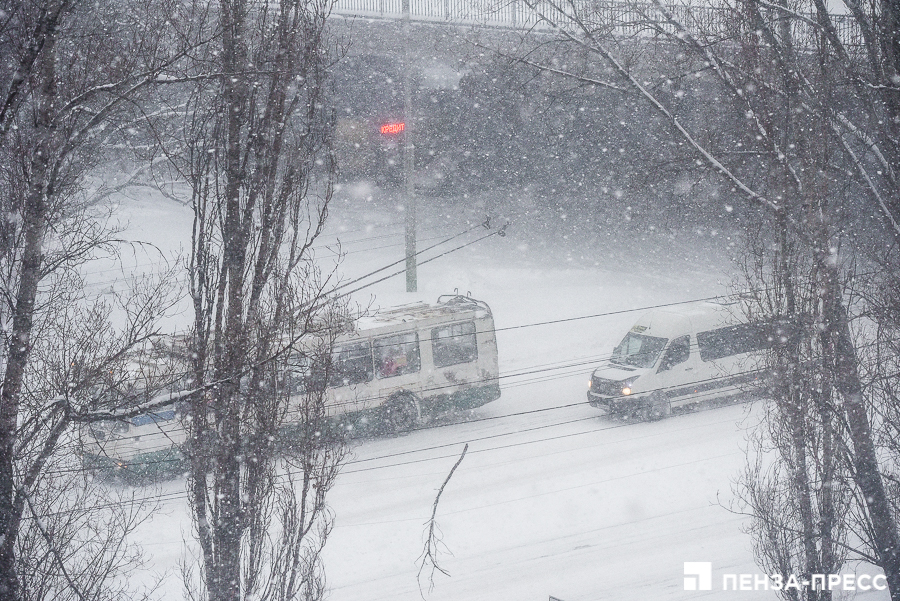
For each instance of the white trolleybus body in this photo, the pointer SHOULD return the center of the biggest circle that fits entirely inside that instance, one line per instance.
(674, 358)
(404, 364)
(149, 443)
(396, 369)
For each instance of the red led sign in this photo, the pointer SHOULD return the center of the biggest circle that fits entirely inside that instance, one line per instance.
(393, 128)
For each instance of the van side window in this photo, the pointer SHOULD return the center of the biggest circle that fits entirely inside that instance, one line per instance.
(733, 340)
(396, 355)
(454, 344)
(678, 352)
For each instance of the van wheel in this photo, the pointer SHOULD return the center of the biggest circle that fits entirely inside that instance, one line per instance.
(657, 408)
(401, 413)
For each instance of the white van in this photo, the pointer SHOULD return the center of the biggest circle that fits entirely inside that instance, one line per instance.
(682, 356)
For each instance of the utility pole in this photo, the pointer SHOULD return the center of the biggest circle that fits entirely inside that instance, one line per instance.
(409, 154)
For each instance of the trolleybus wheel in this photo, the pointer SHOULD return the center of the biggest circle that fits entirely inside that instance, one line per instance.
(401, 412)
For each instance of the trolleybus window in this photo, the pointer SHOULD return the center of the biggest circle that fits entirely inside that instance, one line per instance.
(397, 355)
(453, 344)
(152, 418)
(351, 364)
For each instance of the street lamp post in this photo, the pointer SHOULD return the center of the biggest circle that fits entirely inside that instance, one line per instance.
(409, 151)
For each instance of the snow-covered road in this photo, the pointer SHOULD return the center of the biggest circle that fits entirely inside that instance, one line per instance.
(560, 502)
(552, 497)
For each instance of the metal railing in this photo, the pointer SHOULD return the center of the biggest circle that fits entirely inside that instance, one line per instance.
(489, 13)
(620, 18)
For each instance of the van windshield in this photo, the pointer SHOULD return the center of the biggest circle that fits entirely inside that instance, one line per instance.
(638, 350)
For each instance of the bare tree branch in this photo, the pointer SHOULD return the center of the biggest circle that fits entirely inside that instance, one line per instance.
(433, 540)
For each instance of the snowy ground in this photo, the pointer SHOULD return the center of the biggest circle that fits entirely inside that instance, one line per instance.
(552, 498)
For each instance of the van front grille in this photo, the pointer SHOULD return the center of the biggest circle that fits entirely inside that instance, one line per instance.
(606, 387)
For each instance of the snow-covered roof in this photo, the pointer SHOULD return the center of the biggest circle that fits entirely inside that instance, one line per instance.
(423, 313)
(678, 320)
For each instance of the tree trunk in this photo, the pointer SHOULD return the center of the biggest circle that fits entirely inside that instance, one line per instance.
(34, 219)
(865, 461)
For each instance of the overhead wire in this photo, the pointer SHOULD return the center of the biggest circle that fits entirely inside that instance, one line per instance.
(543, 323)
(530, 371)
(96, 284)
(739, 387)
(403, 260)
(288, 473)
(713, 380)
(486, 437)
(396, 273)
(545, 372)
(183, 495)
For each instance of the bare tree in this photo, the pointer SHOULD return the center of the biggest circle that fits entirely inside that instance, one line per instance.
(71, 531)
(257, 161)
(72, 75)
(797, 485)
(74, 539)
(806, 107)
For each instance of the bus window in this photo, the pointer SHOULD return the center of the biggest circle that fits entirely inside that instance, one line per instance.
(351, 364)
(454, 344)
(152, 418)
(298, 372)
(733, 340)
(397, 355)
